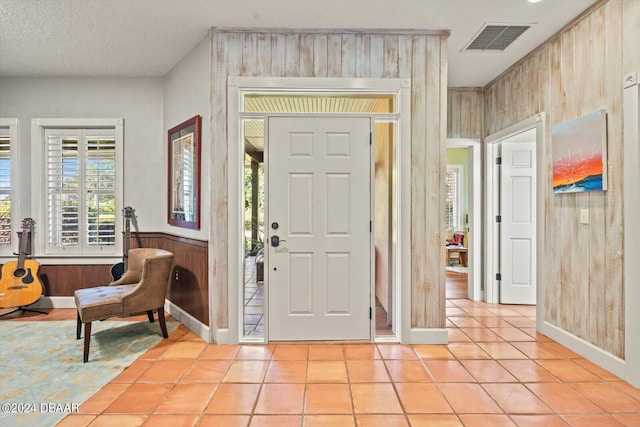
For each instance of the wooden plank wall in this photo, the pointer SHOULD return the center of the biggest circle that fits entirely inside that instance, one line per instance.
(419, 57)
(630, 35)
(465, 112)
(576, 72)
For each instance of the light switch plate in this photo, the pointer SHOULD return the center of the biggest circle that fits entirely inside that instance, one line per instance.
(584, 216)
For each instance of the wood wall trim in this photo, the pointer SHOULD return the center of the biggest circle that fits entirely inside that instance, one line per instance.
(173, 237)
(338, 31)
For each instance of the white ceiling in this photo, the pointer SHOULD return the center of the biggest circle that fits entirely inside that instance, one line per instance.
(148, 37)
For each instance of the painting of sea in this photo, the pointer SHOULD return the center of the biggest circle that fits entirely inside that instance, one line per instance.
(579, 153)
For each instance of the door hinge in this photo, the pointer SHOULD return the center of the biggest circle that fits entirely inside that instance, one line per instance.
(498, 218)
(498, 160)
(498, 276)
(370, 226)
(370, 313)
(370, 138)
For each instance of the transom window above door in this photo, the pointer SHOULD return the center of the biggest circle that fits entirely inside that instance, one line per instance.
(319, 103)
(309, 102)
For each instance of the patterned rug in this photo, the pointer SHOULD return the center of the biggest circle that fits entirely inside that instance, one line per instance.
(457, 269)
(43, 377)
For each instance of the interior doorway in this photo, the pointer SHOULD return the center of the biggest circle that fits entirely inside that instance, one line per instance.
(463, 215)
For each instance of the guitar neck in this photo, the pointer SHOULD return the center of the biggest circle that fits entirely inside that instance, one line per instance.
(127, 242)
(22, 251)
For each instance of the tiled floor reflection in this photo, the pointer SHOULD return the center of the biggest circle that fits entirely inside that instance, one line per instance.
(496, 371)
(254, 306)
(253, 300)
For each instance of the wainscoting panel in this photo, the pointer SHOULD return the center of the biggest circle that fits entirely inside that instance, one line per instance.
(188, 288)
(63, 280)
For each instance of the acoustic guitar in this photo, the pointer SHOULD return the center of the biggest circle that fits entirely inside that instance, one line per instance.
(20, 285)
(117, 270)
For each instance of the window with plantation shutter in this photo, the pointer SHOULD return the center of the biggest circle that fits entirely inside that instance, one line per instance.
(453, 207)
(77, 196)
(81, 190)
(5, 189)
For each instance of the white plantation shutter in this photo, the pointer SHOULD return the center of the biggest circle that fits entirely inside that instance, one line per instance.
(453, 208)
(5, 188)
(189, 169)
(81, 199)
(100, 178)
(63, 187)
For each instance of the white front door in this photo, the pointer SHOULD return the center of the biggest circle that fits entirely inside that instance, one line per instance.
(319, 195)
(518, 226)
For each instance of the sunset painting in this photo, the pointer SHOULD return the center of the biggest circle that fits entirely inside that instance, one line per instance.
(579, 154)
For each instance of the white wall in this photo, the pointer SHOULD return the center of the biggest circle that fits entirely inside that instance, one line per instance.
(186, 93)
(137, 100)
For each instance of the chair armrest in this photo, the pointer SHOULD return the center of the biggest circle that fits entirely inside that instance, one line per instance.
(128, 278)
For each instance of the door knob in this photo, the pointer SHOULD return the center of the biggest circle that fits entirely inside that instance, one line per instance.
(275, 241)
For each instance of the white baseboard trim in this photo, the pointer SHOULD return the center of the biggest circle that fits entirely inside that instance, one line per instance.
(428, 336)
(386, 339)
(193, 324)
(605, 360)
(223, 336)
(55, 302)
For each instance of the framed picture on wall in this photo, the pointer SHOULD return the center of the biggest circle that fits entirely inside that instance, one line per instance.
(184, 174)
(579, 153)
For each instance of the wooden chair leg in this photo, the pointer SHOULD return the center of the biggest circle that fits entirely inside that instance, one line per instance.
(150, 314)
(163, 324)
(78, 327)
(87, 340)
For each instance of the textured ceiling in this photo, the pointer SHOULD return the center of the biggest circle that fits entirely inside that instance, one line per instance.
(148, 37)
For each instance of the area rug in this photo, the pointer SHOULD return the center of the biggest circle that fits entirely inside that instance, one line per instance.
(43, 377)
(457, 269)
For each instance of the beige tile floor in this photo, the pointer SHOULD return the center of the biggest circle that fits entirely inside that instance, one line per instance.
(496, 371)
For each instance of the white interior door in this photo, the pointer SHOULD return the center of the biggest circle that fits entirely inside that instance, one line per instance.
(319, 194)
(518, 225)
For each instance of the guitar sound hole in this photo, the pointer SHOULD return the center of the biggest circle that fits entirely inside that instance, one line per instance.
(20, 272)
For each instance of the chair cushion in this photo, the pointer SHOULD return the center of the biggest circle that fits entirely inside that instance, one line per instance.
(101, 302)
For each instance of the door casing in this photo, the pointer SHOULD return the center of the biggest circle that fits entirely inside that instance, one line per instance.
(232, 334)
(491, 204)
(474, 285)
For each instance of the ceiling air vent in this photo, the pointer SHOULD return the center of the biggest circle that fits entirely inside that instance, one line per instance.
(496, 36)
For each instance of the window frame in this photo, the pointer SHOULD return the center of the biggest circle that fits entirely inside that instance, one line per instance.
(39, 198)
(12, 125)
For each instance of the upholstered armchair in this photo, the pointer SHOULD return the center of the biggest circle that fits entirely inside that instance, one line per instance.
(142, 288)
